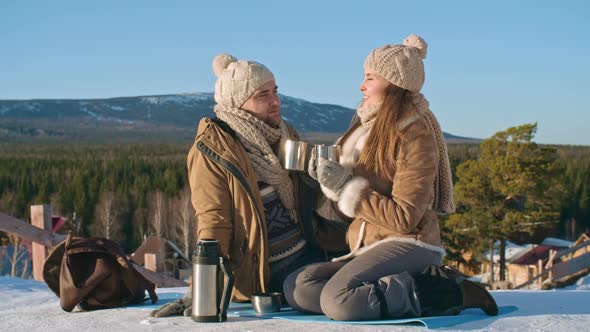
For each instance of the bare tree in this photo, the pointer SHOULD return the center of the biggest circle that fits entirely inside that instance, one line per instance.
(55, 205)
(7, 203)
(18, 252)
(184, 220)
(158, 213)
(25, 273)
(107, 224)
(3, 250)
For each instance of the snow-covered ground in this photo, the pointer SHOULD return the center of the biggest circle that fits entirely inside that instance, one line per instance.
(27, 305)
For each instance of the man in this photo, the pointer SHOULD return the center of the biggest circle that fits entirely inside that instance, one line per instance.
(259, 212)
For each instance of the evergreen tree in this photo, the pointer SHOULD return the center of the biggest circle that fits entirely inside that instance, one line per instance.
(512, 187)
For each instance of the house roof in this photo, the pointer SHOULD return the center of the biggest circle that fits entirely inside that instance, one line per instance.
(512, 250)
(532, 257)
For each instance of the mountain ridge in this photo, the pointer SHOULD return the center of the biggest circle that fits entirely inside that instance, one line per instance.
(170, 116)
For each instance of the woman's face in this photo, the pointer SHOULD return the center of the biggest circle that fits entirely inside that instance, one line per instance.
(373, 87)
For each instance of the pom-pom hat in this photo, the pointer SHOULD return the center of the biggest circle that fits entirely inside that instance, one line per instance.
(401, 65)
(237, 79)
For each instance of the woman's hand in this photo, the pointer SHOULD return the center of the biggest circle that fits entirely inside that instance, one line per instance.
(332, 175)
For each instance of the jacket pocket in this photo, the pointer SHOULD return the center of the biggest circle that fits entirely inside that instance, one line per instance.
(239, 255)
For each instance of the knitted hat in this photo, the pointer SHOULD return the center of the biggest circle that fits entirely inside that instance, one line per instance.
(400, 64)
(237, 80)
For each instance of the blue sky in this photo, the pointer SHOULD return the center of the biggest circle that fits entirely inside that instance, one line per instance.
(489, 66)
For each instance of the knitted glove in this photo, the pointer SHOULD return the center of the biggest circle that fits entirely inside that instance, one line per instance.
(332, 175)
(181, 306)
(312, 165)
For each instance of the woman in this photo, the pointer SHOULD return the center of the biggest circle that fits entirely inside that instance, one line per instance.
(392, 180)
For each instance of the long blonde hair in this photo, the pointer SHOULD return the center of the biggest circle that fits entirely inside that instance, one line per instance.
(378, 154)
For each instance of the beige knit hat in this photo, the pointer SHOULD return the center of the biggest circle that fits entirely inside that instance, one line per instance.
(237, 80)
(400, 64)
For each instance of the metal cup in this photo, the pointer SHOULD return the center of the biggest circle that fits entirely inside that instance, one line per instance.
(330, 152)
(293, 155)
(265, 303)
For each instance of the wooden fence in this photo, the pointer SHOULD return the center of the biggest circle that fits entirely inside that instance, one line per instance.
(561, 265)
(38, 232)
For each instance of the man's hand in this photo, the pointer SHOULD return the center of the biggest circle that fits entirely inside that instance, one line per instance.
(177, 307)
(332, 175)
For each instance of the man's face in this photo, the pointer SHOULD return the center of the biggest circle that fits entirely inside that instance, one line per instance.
(265, 104)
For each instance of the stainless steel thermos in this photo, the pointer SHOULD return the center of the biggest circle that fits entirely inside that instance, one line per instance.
(211, 289)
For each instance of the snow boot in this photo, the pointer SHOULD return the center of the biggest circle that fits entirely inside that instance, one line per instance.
(444, 291)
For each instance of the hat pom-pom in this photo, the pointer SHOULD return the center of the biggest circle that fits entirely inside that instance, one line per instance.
(221, 62)
(418, 43)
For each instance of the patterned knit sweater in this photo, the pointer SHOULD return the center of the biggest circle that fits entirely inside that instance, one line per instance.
(285, 237)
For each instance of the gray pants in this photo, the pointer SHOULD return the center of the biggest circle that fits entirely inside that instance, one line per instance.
(346, 290)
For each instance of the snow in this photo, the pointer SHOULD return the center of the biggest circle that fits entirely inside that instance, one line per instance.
(4, 109)
(199, 96)
(551, 241)
(21, 293)
(32, 107)
(117, 108)
(151, 100)
(89, 112)
(514, 254)
(513, 251)
(581, 284)
(98, 117)
(27, 106)
(128, 122)
(27, 305)
(186, 99)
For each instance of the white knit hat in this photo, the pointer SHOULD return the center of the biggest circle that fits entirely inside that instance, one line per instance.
(237, 80)
(400, 64)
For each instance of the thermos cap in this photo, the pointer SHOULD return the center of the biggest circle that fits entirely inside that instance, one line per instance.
(207, 252)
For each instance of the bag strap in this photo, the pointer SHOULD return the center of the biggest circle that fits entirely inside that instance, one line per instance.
(86, 249)
(69, 240)
(85, 245)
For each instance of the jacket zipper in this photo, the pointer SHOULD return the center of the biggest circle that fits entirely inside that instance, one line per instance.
(242, 180)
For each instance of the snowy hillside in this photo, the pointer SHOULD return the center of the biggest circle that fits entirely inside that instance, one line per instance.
(174, 116)
(27, 305)
(181, 110)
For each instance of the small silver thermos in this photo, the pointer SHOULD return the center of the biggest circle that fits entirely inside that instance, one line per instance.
(211, 290)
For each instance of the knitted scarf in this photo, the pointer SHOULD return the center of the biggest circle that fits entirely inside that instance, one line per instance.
(368, 113)
(443, 183)
(257, 137)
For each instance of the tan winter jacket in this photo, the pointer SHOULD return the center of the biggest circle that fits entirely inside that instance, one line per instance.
(393, 209)
(228, 204)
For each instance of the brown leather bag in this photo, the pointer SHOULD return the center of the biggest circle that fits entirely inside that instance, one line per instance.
(95, 274)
